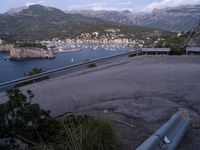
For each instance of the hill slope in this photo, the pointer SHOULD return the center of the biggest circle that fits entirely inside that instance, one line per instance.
(39, 23)
(193, 39)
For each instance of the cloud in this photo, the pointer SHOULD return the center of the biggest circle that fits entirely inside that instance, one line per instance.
(111, 5)
(86, 6)
(27, 4)
(168, 3)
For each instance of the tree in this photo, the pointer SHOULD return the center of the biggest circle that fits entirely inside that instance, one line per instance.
(34, 71)
(21, 119)
(23, 122)
(175, 43)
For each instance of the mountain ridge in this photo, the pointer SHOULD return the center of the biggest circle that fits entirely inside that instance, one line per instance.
(181, 18)
(44, 23)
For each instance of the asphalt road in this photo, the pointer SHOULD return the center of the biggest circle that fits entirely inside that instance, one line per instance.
(144, 91)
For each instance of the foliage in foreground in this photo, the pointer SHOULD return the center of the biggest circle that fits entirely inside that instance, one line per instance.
(21, 120)
(176, 43)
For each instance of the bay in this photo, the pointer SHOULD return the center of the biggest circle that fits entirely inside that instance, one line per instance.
(10, 70)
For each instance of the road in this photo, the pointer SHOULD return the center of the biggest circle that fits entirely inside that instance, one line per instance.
(144, 91)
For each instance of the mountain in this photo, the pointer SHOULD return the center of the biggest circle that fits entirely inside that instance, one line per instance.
(38, 22)
(182, 18)
(193, 39)
(123, 17)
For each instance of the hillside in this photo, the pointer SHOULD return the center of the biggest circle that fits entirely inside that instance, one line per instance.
(182, 18)
(193, 39)
(38, 22)
(124, 17)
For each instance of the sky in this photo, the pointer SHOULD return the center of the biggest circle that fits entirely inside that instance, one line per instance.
(132, 5)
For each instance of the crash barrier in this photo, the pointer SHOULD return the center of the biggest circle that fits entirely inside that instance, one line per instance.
(169, 135)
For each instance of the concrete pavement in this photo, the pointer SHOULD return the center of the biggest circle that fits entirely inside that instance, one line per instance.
(144, 91)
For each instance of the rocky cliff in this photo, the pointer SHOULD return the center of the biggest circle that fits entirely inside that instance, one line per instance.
(193, 39)
(26, 53)
(5, 47)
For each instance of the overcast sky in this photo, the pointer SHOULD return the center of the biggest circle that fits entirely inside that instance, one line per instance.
(143, 5)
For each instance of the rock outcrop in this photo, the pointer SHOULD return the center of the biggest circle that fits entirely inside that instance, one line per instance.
(5, 47)
(29, 53)
(193, 39)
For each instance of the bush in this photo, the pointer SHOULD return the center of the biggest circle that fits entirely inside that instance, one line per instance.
(175, 43)
(91, 65)
(33, 71)
(85, 133)
(21, 120)
(132, 55)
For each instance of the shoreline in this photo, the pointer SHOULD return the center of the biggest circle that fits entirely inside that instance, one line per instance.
(68, 51)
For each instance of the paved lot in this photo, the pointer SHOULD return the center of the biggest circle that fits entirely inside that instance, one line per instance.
(144, 91)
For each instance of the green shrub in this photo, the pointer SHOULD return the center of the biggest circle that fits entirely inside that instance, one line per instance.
(131, 55)
(175, 43)
(91, 65)
(33, 71)
(22, 120)
(87, 133)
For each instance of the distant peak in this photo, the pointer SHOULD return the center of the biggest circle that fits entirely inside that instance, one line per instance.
(37, 6)
(127, 11)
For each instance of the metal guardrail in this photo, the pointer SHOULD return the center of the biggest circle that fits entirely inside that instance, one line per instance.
(169, 135)
(63, 69)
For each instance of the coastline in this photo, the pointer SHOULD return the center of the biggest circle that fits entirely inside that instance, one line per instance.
(21, 53)
(68, 51)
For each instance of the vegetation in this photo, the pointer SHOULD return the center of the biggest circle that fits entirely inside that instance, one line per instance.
(91, 65)
(46, 24)
(33, 71)
(132, 55)
(22, 120)
(176, 43)
(30, 44)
